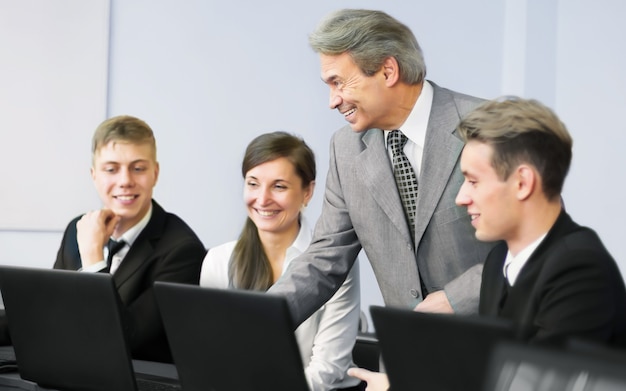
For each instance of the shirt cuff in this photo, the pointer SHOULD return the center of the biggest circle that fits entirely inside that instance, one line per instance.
(96, 267)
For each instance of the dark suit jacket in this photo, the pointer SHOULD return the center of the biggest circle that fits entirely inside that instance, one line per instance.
(166, 250)
(570, 287)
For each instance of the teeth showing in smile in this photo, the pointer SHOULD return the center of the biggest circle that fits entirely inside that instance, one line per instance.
(473, 217)
(347, 113)
(125, 198)
(266, 212)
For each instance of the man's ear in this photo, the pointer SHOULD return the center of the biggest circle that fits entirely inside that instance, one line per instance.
(157, 169)
(527, 180)
(391, 71)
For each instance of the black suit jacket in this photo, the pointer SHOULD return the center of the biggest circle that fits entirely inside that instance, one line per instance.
(166, 250)
(570, 287)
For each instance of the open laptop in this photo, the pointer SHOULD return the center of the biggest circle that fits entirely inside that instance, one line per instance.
(525, 367)
(226, 339)
(67, 331)
(436, 351)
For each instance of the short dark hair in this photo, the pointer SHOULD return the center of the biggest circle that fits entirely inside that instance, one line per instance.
(522, 131)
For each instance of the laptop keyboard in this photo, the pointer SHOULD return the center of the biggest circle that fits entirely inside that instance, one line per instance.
(151, 385)
(7, 355)
(7, 360)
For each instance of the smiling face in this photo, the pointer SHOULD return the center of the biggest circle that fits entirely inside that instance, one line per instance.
(124, 175)
(274, 194)
(359, 98)
(491, 202)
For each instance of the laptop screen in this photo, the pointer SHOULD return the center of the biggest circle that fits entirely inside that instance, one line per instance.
(66, 329)
(226, 339)
(436, 351)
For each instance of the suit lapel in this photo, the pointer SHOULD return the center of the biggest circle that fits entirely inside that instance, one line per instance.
(528, 275)
(562, 226)
(142, 248)
(441, 141)
(375, 171)
(494, 289)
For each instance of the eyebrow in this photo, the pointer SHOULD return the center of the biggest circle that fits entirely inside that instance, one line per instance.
(133, 162)
(329, 79)
(274, 181)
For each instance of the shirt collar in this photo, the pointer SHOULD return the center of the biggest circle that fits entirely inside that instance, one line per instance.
(416, 123)
(303, 240)
(513, 264)
(131, 235)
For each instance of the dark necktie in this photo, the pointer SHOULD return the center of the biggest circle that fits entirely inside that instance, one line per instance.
(406, 180)
(114, 246)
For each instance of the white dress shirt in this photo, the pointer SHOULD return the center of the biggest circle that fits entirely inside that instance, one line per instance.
(327, 337)
(129, 238)
(513, 264)
(414, 128)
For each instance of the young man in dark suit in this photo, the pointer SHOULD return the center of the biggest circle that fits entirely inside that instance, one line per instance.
(552, 277)
(154, 245)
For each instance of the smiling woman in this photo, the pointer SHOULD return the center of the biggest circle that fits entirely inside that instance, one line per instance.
(279, 174)
(274, 194)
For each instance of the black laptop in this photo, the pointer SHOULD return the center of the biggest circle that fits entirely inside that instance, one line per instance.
(67, 331)
(226, 339)
(524, 367)
(436, 351)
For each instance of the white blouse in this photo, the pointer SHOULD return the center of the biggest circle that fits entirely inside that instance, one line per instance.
(325, 339)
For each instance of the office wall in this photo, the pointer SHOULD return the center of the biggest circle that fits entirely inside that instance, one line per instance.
(53, 84)
(53, 89)
(209, 76)
(591, 97)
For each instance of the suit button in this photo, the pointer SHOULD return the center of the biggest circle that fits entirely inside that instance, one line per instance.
(414, 293)
(409, 247)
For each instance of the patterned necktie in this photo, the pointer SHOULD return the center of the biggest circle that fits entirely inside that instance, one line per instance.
(114, 246)
(405, 177)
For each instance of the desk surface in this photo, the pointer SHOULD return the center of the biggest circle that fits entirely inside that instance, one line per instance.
(13, 381)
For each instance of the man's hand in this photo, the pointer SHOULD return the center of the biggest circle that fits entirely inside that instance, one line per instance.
(435, 302)
(93, 231)
(376, 381)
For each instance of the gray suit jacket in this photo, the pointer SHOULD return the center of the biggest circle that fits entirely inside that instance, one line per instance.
(362, 209)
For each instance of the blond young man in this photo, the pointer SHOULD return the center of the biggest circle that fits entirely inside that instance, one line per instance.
(156, 245)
